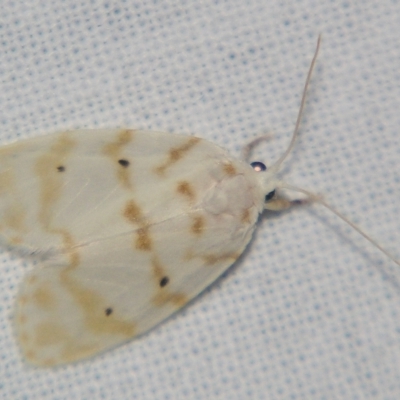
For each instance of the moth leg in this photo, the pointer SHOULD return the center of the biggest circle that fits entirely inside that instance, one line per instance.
(281, 203)
(246, 150)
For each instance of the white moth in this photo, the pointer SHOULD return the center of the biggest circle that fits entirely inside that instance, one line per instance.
(128, 226)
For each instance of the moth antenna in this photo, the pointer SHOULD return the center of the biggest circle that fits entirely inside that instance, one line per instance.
(245, 153)
(318, 199)
(282, 158)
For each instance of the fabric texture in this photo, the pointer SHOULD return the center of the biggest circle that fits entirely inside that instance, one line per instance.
(311, 310)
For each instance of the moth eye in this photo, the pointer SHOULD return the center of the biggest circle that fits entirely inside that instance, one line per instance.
(270, 195)
(258, 166)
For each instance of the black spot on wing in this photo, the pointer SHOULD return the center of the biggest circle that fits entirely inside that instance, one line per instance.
(108, 311)
(164, 281)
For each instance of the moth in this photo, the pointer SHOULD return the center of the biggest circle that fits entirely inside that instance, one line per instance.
(127, 226)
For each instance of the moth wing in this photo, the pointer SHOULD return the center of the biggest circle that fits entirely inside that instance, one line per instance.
(66, 313)
(78, 179)
(131, 225)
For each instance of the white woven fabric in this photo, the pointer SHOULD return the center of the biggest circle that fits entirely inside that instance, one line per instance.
(308, 312)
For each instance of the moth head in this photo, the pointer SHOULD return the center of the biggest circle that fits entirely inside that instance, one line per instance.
(268, 182)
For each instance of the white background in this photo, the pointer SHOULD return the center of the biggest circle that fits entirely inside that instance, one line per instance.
(308, 312)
